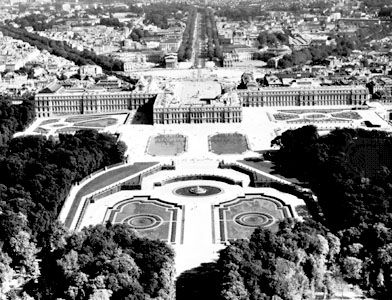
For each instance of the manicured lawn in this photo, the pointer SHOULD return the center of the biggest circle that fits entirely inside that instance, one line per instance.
(102, 181)
(98, 123)
(166, 144)
(228, 143)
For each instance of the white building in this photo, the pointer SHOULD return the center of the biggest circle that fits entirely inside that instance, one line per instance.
(90, 70)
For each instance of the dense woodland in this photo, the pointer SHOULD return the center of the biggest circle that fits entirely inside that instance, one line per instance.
(40, 172)
(62, 49)
(349, 171)
(293, 263)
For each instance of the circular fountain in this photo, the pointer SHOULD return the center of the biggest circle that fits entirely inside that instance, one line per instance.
(197, 191)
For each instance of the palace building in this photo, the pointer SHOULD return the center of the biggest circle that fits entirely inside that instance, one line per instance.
(196, 102)
(304, 96)
(55, 100)
(225, 109)
(191, 101)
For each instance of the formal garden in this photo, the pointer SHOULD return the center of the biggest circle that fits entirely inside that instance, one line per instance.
(73, 123)
(324, 115)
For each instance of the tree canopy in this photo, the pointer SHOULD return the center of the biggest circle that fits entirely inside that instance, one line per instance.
(349, 171)
(107, 259)
(293, 263)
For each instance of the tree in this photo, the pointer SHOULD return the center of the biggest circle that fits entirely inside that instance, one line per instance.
(352, 267)
(6, 272)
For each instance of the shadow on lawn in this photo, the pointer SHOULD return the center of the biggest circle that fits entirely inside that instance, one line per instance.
(200, 283)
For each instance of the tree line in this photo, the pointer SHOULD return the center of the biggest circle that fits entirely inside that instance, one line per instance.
(213, 46)
(185, 49)
(62, 49)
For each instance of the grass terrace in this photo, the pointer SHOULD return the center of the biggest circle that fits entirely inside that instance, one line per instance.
(228, 143)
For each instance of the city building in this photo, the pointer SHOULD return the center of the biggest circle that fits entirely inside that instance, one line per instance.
(171, 61)
(90, 70)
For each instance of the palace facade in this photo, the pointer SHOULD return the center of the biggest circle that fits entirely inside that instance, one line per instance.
(304, 96)
(85, 101)
(190, 101)
(226, 109)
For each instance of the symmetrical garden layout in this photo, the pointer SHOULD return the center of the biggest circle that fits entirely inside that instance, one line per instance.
(198, 204)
